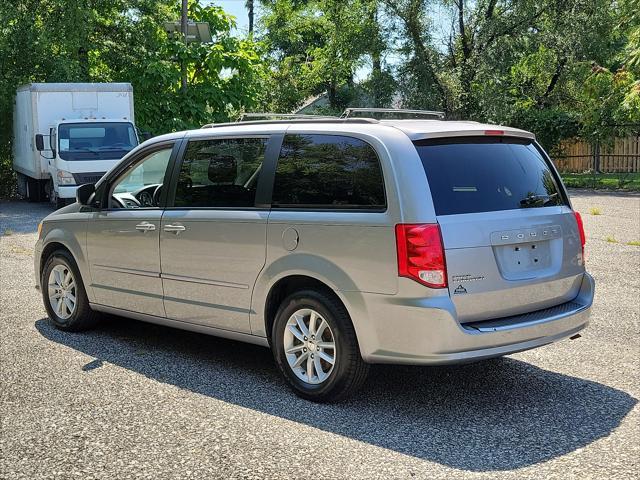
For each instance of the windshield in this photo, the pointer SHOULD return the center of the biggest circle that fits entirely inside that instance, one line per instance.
(95, 140)
(485, 174)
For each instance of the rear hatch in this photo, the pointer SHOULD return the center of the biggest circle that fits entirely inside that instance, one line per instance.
(511, 240)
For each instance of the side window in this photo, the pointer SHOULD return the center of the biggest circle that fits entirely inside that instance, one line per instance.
(328, 171)
(141, 186)
(220, 173)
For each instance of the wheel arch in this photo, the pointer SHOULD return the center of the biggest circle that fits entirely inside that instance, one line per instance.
(58, 239)
(287, 285)
(281, 279)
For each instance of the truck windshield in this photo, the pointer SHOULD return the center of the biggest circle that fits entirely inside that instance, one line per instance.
(95, 141)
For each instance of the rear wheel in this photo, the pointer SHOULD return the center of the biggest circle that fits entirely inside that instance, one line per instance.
(315, 347)
(33, 190)
(64, 296)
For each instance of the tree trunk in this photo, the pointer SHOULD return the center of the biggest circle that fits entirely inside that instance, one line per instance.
(466, 72)
(332, 94)
(376, 58)
(250, 12)
(83, 61)
(183, 28)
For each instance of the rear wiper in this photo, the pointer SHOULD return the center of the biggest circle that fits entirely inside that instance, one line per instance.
(535, 200)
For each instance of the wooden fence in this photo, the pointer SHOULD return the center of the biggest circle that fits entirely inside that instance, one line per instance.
(577, 156)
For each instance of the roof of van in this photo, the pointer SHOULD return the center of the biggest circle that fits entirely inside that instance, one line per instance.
(414, 129)
(77, 87)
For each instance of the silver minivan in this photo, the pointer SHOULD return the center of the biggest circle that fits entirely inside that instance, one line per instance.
(338, 243)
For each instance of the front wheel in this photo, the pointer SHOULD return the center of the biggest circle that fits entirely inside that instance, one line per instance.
(316, 349)
(64, 296)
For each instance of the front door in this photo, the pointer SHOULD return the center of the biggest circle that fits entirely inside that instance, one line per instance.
(212, 239)
(123, 239)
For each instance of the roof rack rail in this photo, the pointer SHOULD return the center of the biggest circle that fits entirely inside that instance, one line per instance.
(392, 113)
(312, 119)
(276, 116)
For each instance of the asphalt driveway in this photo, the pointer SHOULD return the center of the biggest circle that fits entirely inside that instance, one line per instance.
(133, 400)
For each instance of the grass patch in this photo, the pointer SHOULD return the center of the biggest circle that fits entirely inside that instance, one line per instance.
(595, 211)
(611, 239)
(634, 243)
(607, 181)
(8, 232)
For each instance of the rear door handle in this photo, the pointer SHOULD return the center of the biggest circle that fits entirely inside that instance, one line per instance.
(175, 228)
(145, 227)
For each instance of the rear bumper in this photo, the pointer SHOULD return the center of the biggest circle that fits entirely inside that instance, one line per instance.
(426, 332)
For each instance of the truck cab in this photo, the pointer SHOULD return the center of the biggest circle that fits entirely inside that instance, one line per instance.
(81, 151)
(68, 134)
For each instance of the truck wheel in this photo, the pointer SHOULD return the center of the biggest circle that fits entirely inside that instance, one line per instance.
(64, 296)
(315, 347)
(54, 198)
(33, 190)
(61, 202)
(21, 184)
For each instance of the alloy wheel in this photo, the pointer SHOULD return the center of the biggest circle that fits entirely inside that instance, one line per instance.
(309, 346)
(62, 291)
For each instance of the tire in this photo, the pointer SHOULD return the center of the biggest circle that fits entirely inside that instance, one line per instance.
(21, 184)
(60, 203)
(33, 190)
(55, 200)
(81, 317)
(342, 378)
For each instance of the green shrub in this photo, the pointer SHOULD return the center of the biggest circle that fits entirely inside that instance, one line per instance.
(8, 185)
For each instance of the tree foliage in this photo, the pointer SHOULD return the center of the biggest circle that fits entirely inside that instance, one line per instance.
(124, 40)
(557, 67)
(318, 46)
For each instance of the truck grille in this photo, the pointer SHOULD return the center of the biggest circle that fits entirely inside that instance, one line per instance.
(92, 177)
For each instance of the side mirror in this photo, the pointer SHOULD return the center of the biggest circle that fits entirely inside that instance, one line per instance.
(39, 142)
(84, 193)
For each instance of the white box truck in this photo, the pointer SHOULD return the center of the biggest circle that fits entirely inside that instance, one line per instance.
(68, 134)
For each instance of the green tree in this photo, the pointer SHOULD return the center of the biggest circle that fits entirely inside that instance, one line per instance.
(317, 46)
(124, 41)
(223, 77)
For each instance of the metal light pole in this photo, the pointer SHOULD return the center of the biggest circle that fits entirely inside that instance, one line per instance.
(188, 32)
(183, 29)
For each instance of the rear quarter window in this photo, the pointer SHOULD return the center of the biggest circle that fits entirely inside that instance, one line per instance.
(485, 174)
(328, 172)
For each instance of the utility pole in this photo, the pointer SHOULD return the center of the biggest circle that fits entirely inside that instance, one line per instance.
(183, 28)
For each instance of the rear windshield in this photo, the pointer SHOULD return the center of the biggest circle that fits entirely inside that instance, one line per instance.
(486, 174)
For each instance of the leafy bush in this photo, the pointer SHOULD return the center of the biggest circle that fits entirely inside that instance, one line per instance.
(7, 178)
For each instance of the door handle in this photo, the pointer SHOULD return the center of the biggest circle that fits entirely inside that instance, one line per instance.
(175, 228)
(145, 227)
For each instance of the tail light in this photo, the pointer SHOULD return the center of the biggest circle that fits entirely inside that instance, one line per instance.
(583, 238)
(421, 254)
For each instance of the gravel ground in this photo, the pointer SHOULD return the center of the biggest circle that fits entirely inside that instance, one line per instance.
(133, 400)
